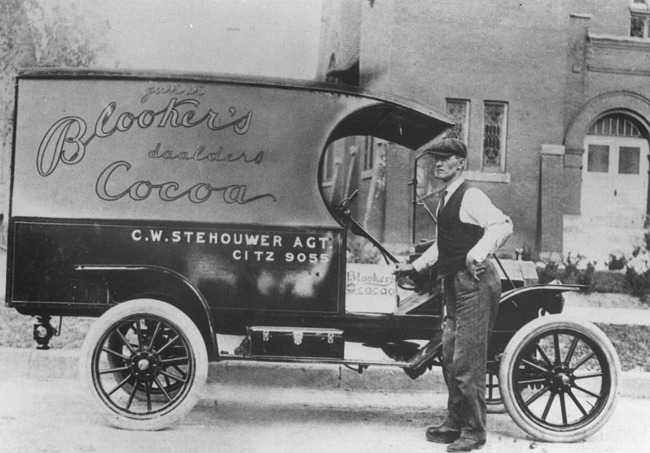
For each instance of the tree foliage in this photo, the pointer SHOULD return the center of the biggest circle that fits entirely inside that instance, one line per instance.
(37, 34)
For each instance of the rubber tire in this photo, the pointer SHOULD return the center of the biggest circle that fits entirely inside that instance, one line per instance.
(175, 318)
(520, 342)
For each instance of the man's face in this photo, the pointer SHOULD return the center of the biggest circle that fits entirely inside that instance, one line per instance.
(448, 168)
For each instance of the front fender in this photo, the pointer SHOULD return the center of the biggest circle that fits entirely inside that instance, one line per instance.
(546, 294)
(519, 306)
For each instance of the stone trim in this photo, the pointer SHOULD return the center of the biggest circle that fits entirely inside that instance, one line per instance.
(633, 103)
(619, 42)
(481, 176)
(620, 71)
(557, 150)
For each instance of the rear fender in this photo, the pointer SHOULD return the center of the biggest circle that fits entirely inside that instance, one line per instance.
(129, 282)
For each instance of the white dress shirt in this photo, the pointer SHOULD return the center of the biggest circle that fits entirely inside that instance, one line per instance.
(476, 209)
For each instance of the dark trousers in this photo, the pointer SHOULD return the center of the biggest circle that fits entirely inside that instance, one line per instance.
(471, 310)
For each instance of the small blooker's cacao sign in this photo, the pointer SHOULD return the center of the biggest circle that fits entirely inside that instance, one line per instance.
(370, 288)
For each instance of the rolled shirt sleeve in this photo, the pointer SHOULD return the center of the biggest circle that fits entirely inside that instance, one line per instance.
(476, 209)
(427, 259)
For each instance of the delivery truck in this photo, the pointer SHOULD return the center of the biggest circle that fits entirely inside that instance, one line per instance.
(190, 215)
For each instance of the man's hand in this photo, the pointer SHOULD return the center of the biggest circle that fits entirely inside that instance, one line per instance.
(404, 270)
(474, 267)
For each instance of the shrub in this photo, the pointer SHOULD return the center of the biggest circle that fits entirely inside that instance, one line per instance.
(637, 273)
(616, 262)
(547, 271)
(525, 253)
(639, 283)
(586, 276)
(569, 270)
(610, 282)
(360, 250)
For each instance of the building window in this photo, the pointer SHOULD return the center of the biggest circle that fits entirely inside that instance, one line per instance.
(494, 136)
(328, 164)
(629, 160)
(458, 109)
(616, 125)
(368, 154)
(332, 160)
(639, 26)
(598, 159)
(639, 19)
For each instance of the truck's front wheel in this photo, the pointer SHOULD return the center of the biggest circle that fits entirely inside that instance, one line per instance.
(144, 363)
(559, 378)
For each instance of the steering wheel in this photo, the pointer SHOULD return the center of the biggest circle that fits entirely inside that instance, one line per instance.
(406, 283)
(345, 204)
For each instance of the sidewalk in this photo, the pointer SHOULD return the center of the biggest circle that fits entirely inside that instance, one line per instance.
(607, 308)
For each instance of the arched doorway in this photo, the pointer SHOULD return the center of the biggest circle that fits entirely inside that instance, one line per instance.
(615, 173)
(614, 193)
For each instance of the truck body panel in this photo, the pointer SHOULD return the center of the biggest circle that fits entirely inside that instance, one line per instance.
(123, 182)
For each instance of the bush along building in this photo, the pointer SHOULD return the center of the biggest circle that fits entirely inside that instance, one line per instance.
(551, 96)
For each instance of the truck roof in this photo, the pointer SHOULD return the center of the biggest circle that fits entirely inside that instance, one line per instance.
(411, 123)
(107, 144)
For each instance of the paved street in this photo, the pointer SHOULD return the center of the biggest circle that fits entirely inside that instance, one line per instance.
(38, 415)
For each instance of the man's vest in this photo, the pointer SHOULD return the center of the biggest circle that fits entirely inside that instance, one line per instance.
(455, 238)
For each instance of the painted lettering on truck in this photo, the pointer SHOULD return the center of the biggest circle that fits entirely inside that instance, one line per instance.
(67, 142)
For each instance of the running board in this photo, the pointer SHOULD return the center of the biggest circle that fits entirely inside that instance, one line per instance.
(319, 360)
(424, 358)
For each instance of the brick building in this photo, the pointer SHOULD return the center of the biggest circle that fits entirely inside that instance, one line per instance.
(552, 97)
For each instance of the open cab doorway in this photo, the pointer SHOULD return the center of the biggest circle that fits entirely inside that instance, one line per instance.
(354, 186)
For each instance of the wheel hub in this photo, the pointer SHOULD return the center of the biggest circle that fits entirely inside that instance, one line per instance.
(561, 379)
(144, 366)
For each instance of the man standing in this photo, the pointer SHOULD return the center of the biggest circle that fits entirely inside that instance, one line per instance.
(469, 229)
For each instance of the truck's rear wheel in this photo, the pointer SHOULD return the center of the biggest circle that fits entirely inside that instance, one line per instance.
(120, 360)
(559, 378)
(144, 363)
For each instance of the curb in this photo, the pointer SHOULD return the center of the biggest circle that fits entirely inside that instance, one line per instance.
(64, 363)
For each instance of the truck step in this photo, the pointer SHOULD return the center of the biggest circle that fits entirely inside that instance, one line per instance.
(274, 341)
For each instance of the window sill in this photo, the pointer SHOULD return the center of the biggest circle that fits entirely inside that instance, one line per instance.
(480, 176)
(366, 174)
(640, 8)
(619, 42)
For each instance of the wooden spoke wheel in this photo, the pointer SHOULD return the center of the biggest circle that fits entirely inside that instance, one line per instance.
(144, 363)
(559, 378)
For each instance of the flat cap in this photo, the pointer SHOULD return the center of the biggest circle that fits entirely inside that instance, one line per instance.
(449, 147)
